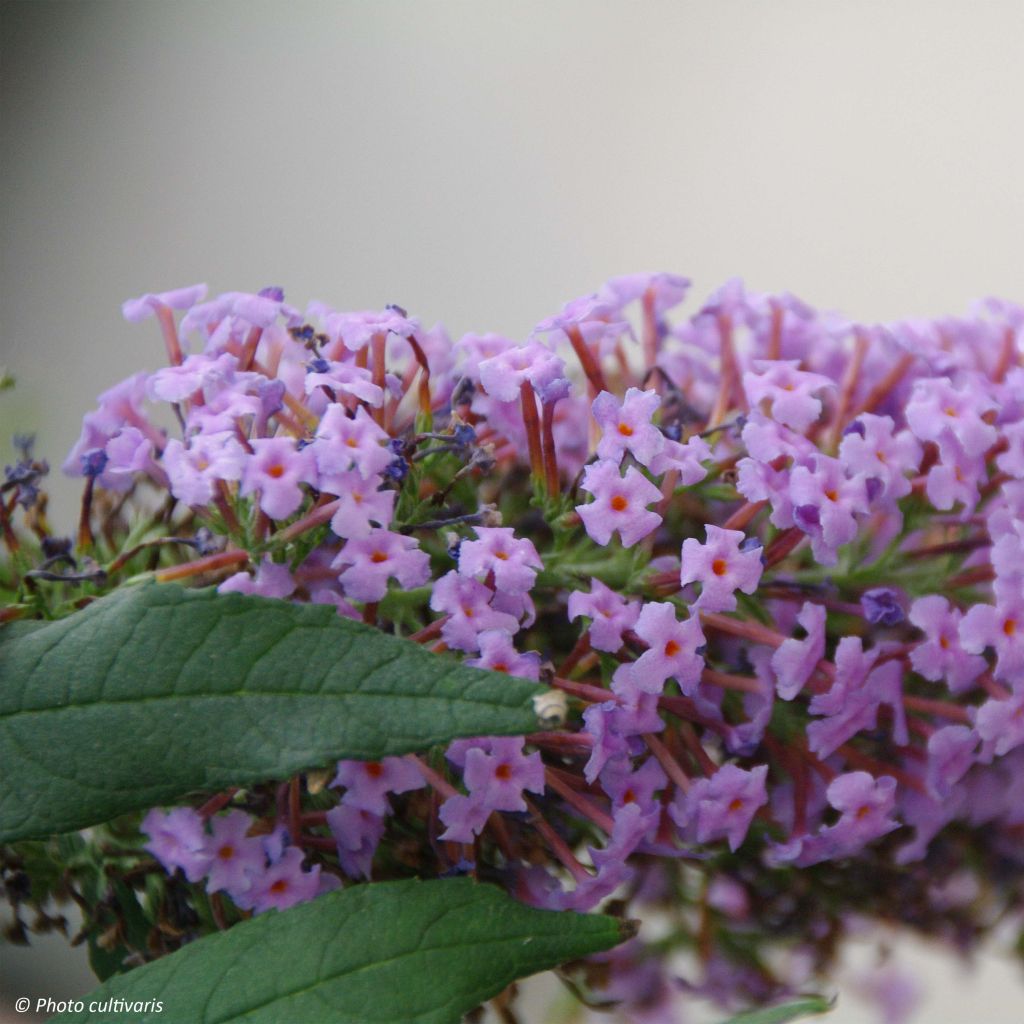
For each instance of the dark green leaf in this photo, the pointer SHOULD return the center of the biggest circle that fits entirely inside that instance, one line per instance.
(157, 691)
(391, 953)
(805, 1006)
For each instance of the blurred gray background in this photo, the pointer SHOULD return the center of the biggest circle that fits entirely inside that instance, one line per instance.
(482, 162)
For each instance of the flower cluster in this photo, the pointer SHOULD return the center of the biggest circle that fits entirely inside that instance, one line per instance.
(773, 558)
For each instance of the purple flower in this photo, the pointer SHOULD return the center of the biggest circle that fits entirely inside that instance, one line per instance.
(498, 653)
(609, 613)
(627, 427)
(275, 470)
(612, 725)
(664, 290)
(369, 782)
(356, 329)
(513, 561)
(723, 806)
(372, 560)
(504, 374)
(285, 883)
(794, 660)
(357, 834)
(722, 567)
(345, 377)
(498, 778)
(628, 786)
(467, 604)
(594, 316)
(193, 471)
(271, 580)
(866, 807)
(1000, 724)
(236, 858)
(950, 756)
(343, 443)
(788, 390)
(940, 655)
(464, 818)
(852, 703)
(620, 503)
(685, 459)
(881, 607)
(146, 305)
(938, 411)
(956, 479)
(361, 503)
(825, 504)
(1000, 626)
(177, 840)
(672, 652)
(876, 452)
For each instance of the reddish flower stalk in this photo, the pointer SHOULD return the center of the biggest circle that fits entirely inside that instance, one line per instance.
(528, 404)
(591, 368)
(669, 764)
(209, 563)
(556, 843)
(578, 802)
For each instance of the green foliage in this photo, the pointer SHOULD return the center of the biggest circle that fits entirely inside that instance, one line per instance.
(390, 953)
(156, 691)
(805, 1006)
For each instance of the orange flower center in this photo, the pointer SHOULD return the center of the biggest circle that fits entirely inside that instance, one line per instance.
(719, 567)
(503, 772)
(619, 503)
(735, 804)
(499, 666)
(625, 430)
(502, 556)
(1010, 627)
(378, 557)
(276, 472)
(671, 649)
(226, 852)
(374, 769)
(280, 886)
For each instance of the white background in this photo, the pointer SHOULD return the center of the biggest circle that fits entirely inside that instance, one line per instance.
(482, 162)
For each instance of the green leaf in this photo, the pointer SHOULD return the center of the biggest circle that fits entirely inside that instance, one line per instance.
(805, 1006)
(156, 691)
(390, 953)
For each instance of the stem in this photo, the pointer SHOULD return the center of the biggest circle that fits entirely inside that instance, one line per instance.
(558, 845)
(671, 766)
(578, 802)
(165, 318)
(590, 365)
(528, 403)
(208, 564)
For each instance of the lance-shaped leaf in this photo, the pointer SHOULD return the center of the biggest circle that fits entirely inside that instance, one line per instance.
(157, 691)
(797, 1009)
(392, 953)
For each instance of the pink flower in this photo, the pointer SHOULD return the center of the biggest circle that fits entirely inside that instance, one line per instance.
(723, 806)
(503, 374)
(343, 443)
(146, 305)
(275, 470)
(374, 559)
(940, 655)
(620, 503)
(498, 653)
(193, 471)
(721, 566)
(609, 613)
(938, 411)
(627, 426)
(872, 449)
(672, 652)
(361, 502)
(285, 883)
(514, 561)
(794, 660)
(369, 782)
(788, 390)
(467, 604)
